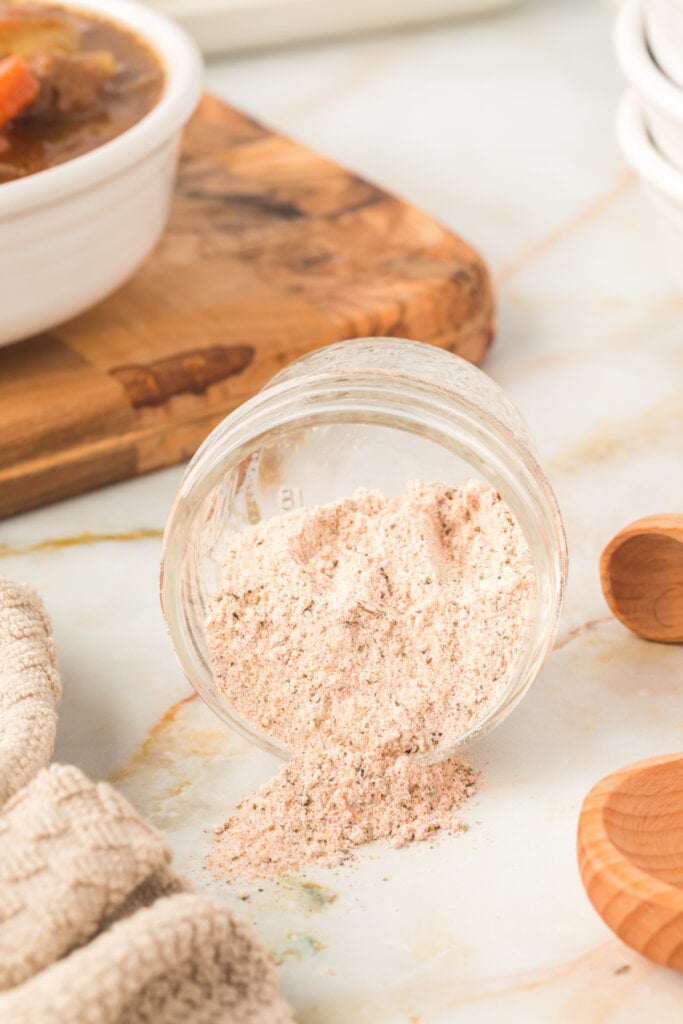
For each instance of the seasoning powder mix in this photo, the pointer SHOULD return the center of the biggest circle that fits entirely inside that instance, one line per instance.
(363, 634)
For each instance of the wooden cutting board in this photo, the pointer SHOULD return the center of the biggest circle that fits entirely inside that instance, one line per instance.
(270, 251)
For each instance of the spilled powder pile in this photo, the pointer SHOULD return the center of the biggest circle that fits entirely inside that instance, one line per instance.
(360, 633)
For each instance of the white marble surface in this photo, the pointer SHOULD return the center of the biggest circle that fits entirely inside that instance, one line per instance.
(502, 128)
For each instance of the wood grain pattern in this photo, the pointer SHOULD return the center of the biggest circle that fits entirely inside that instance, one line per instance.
(630, 849)
(270, 251)
(641, 571)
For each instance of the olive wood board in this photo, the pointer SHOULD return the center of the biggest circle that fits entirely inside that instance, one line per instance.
(270, 251)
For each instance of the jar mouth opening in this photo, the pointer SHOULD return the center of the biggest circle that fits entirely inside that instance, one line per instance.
(407, 402)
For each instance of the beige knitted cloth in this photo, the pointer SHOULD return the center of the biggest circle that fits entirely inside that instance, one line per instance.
(95, 926)
(29, 687)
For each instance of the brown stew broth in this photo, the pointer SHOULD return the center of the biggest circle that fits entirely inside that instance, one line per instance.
(31, 144)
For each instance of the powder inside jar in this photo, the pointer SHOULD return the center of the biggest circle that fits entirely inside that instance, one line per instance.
(360, 634)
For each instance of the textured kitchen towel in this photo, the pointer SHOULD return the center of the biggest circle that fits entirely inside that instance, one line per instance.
(95, 926)
(72, 857)
(184, 960)
(29, 687)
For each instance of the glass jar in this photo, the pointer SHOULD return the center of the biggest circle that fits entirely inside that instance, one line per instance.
(374, 413)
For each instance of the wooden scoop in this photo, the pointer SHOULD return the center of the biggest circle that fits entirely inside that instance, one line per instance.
(641, 570)
(630, 848)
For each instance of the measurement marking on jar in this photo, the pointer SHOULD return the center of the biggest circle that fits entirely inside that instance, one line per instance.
(251, 488)
(290, 497)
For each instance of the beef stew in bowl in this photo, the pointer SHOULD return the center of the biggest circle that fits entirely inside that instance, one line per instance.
(69, 82)
(75, 231)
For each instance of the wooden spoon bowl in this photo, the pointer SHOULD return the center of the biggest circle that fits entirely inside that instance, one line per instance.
(630, 849)
(641, 571)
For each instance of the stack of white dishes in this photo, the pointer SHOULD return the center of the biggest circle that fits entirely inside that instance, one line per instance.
(649, 41)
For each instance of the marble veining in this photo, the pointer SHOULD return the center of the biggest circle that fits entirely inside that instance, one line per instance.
(503, 129)
(55, 543)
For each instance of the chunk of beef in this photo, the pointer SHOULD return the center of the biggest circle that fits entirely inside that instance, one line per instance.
(70, 84)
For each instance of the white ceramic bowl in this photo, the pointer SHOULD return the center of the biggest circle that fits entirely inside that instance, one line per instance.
(661, 99)
(663, 183)
(72, 234)
(664, 33)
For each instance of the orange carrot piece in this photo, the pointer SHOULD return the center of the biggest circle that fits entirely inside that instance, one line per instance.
(18, 87)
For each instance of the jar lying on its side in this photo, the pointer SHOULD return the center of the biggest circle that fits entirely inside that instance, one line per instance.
(374, 413)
